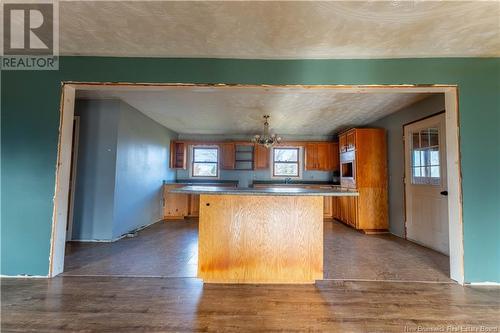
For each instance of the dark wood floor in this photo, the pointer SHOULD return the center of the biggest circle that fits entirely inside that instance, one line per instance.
(111, 304)
(170, 250)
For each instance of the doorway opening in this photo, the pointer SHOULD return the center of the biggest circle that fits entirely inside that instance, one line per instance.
(70, 90)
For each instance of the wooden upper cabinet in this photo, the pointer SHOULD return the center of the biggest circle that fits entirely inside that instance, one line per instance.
(178, 155)
(351, 140)
(321, 156)
(311, 153)
(228, 156)
(335, 157)
(261, 157)
(342, 143)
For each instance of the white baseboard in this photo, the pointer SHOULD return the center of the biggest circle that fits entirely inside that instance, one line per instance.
(486, 283)
(24, 276)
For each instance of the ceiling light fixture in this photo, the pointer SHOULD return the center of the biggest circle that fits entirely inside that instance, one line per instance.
(266, 139)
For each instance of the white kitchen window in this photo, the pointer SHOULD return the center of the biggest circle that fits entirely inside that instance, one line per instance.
(205, 162)
(286, 162)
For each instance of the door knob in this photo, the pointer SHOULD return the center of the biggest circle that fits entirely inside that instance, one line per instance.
(444, 193)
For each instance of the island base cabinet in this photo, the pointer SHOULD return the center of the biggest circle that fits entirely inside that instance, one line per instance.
(260, 239)
(194, 205)
(178, 206)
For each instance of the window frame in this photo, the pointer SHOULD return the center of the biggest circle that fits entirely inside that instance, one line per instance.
(298, 162)
(217, 163)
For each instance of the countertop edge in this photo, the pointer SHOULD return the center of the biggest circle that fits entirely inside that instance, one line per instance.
(266, 192)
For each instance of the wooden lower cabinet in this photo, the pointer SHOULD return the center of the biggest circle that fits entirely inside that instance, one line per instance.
(344, 209)
(366, 212)
(178, 206)
(175, 206)
(327, 208)
(194, 205)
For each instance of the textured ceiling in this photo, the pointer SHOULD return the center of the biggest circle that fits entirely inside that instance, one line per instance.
(281, 29)
(237, 111)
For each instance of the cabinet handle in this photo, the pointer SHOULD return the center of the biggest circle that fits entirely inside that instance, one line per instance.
(207, 204)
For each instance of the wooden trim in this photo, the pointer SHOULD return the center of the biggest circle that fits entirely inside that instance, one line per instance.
(61, 192)
(411, 88)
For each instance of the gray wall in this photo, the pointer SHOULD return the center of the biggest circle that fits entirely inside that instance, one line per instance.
(394, 126)
(125, 158)
(95, 181)
(141, 166)
(245, 178)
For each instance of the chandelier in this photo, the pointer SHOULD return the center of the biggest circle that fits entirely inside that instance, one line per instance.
(266, 139)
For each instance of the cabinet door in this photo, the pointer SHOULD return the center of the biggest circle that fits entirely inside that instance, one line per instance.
(324, 156)
(343, 205)
(351, 140)
(311, 153)
(194, 205)
(335, 157)
(228, 156)
(353, 208)
(178, 155)
(261, 157)
(175, 205)
(336, 208)
(342, 143)
(327, 207)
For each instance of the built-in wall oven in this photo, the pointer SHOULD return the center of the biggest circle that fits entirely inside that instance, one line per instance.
(348, 169)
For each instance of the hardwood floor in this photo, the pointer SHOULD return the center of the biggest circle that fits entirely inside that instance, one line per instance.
(171, 250)
(180, 303)
(111, 304)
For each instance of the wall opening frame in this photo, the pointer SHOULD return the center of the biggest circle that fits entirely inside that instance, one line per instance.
(63, 166)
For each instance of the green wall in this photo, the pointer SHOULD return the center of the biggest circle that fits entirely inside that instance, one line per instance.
(30, 119)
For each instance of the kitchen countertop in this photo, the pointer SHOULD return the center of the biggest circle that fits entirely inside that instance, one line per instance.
(280, 191)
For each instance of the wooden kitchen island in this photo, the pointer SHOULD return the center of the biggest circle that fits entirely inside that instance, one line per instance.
(261, 235)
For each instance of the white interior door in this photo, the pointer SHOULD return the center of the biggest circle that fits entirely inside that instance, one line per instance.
(426, 183)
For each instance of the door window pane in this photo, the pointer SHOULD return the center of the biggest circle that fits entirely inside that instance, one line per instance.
(424, 138)
(433, 137)
(426, 168)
